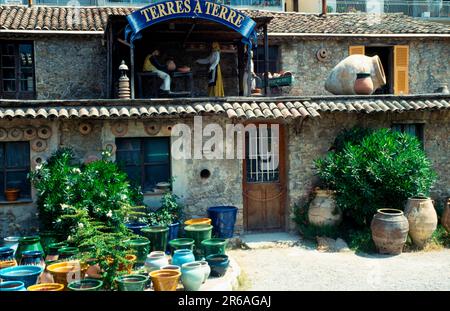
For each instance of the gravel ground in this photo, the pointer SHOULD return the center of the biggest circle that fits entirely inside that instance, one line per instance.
(299, 268)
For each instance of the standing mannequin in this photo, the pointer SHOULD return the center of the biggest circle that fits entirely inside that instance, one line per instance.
(151, 64)
(215, 82)
(245, 77)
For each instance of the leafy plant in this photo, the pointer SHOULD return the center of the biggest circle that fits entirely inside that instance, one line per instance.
(361, 241)
(383, 170)
(169, 212)
(99, 188)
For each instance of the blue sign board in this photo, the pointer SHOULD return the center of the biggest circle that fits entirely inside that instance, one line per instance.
(202, 9)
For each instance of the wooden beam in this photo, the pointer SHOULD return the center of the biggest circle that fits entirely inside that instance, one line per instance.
(132, 71)
(266, 62)
(123, 42)
(188, 34)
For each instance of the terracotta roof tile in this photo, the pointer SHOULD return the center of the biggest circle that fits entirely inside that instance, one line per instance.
(95, 19)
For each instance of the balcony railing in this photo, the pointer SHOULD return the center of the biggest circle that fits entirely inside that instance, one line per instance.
(426, 9)
(272, 5)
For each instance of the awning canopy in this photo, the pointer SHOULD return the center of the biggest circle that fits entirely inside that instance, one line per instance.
(190, 9)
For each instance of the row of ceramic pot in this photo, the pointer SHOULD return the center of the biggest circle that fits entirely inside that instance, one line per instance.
(81, 285)
(390, 227)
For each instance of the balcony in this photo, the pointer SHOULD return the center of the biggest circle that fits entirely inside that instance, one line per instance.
(270, 5)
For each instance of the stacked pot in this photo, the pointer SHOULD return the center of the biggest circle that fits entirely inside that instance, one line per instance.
(390, 227)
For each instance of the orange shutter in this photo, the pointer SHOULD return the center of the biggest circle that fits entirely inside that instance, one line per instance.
(356, 49)
(401, 64)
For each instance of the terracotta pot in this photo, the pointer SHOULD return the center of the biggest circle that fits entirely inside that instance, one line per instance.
(46, 287)
(389, 231)
(12, 194)
(165, 280)
(341, 80)
(363, 84)
(184, 69)
(66, 272)
(445, 220)
(323, 210)
(422, 220)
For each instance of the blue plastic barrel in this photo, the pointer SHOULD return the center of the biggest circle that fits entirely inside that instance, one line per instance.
(223, 219)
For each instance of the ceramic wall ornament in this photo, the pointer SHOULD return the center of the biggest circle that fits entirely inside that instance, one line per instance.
(152, 128)
(30, 133)
(323, 55)
(35, 161)
(15, 133)
(110, 147)
(119, 128)
(84, 128)
(3, 133)
(38, 145)
(44, 132)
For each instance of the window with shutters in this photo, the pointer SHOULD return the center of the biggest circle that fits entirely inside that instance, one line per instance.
(414, 129)
(395, 61)
(17, 70)
(146, 160)
(14, 168)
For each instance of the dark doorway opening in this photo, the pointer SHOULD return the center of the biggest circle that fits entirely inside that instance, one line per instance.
(386, 54)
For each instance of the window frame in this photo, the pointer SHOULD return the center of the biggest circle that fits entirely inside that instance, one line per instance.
(260, 62)
(142, 164)
(4, 170)
(419, 129)
(18, 93)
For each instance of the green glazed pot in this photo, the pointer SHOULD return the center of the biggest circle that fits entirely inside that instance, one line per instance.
(182, 243)
(214, 246)
(141, 246)
(68, 252)
(28, 243)
(157, 236)
(198, 233)
(86, 285)
(132, 282)
(47, 238)
(54, 247)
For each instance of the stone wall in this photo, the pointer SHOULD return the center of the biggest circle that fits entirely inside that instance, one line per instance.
(313, 138)
(70, 67)
(429, 64)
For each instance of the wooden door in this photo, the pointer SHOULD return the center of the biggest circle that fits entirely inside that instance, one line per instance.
(264, 186)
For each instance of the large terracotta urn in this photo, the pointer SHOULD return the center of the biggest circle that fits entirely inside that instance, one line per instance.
(422, 219)
(341, 80)
(445, 219)
(323, 210)
(389, 231)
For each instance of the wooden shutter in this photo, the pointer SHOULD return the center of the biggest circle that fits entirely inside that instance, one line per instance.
(401, 64)
(356, 49)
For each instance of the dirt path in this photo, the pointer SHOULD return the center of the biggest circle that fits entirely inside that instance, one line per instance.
(300, 268)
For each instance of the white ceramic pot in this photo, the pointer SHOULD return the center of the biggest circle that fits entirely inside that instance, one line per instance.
(206, 269)
(155, 261)
(341, 80)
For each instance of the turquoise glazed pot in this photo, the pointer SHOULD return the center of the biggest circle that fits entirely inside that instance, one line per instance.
(86, 285)
(132, 282)
(27, 274)
(214, 246)
(10, 286)
(182, 243)
(141, 246)
(182, 256)
(28, 243)
(218, 263)
(192, 275)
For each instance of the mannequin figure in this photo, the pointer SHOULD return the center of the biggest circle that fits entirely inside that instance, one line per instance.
(245, 77)
(151, 64)
(215, 82)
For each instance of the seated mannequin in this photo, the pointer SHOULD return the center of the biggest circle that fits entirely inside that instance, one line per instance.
(151, 64)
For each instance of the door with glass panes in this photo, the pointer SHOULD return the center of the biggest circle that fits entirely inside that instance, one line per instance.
(264, 186)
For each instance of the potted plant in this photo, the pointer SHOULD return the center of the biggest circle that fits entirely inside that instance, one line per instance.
(12, 194)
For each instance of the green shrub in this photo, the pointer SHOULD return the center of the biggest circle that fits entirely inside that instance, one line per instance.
(383, 170)
(170, 211)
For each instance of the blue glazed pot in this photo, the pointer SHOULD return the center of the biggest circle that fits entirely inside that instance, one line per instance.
(182, 256)
(136, 227)
(10, 286)
(26, 274)
(32, 258)
(11, 242)
(6, 254)
(173, 234)
(218, 263)
(223, 219)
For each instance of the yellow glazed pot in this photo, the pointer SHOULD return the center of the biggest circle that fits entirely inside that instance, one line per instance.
(165, 280)
(46, 287)
(66, 272)
(198, 221)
